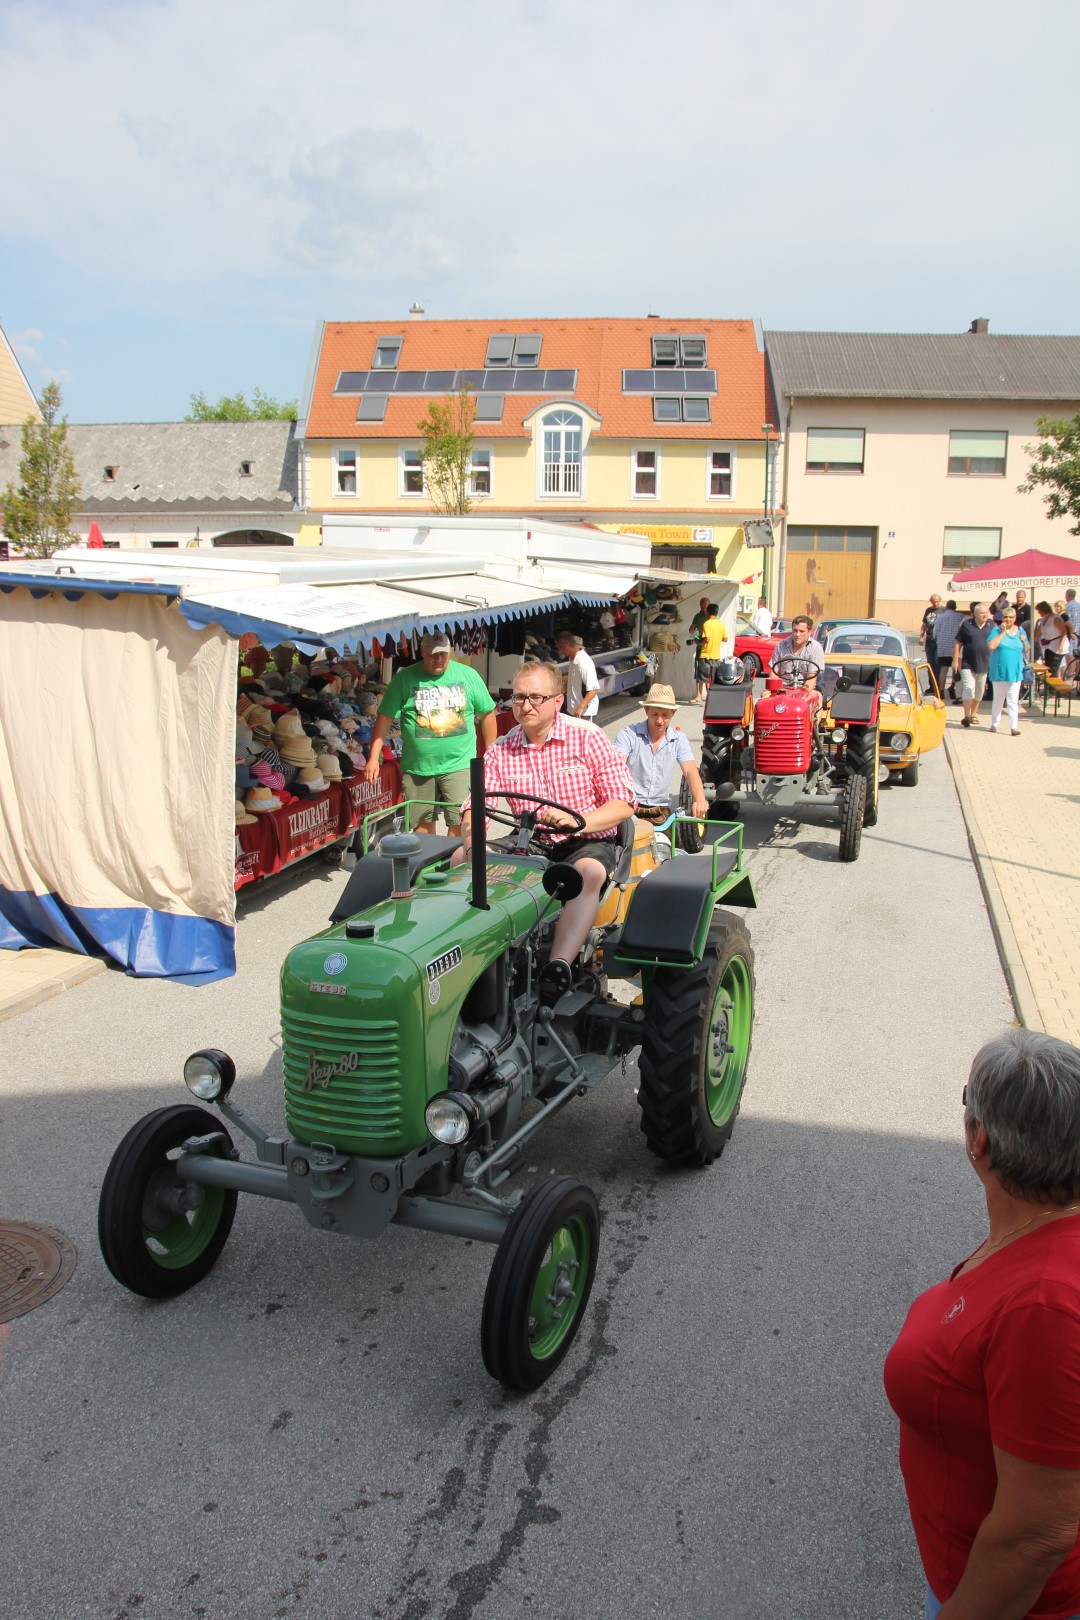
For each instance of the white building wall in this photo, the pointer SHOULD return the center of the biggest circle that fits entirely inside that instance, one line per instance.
(907, 494)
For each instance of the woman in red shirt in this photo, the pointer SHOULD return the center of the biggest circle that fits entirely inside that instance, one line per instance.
(985, 1375)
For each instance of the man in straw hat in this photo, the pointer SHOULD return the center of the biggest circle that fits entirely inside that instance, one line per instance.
(653, 747)
(437, 701)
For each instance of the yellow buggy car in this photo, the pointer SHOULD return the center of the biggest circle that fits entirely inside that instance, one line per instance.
(911, 715)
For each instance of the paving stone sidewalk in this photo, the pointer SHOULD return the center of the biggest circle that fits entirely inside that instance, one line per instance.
(1021, 801)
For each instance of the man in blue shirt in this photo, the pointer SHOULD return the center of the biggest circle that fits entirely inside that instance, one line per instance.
(653, 747)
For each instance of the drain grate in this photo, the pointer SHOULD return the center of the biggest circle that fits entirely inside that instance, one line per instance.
(35, 1263)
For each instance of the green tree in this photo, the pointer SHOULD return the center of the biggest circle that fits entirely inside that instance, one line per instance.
(448, 442)
(235, 408)
(36, 516)
(1056, 467)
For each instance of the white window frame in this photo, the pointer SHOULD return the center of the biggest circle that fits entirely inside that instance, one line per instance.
(732, 452)
(969, 471)
(404, 467)
(541, 460)
(836, 469)
(964, 558)
(470, 482)
(635, 468)
(337, 468)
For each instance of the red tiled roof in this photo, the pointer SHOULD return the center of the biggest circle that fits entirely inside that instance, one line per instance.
(598, 349)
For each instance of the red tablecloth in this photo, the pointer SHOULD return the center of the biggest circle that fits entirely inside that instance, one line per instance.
(279, 837)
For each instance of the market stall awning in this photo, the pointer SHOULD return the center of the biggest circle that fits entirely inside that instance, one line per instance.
(1036, 569)
(313, 616)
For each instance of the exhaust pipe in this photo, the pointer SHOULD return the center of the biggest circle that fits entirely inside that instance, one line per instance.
(478, 897)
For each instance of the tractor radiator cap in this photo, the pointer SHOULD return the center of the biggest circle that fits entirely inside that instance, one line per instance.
(357, 928)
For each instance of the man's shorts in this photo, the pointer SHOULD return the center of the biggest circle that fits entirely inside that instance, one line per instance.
(450, 788)
(972, 686)
(704, 670)
(604, 850)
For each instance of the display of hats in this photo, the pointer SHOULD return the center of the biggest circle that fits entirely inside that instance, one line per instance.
(298, 751)
(243, 704)
(312, 779)
(257, 718)
(245, 779)
(328, 764)
(349, 724)
(288, 724)
(260, 800)
(243, 819)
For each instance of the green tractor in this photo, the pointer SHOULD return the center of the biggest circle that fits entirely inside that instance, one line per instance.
(419, 1060)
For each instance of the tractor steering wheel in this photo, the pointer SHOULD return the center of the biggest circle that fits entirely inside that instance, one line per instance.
(526, 822)
(801, 674)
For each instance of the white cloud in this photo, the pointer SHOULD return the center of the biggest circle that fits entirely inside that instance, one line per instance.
(217, 160)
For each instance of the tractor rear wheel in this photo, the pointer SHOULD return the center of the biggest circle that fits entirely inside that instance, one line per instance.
(852, 810)
(863, 758)
(689, 835)
(909, 776)
(695, 1047)
(160, 1235)
(539, 1283)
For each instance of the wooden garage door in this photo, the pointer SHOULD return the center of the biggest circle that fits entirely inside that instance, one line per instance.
(829, 572)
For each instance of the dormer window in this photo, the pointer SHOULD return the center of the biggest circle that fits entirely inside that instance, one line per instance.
(673, 351)
(245, 469)
(387, 354)
(110, 474)
(505, 350)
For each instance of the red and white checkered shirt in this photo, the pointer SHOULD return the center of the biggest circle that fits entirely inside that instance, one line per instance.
(577, 766)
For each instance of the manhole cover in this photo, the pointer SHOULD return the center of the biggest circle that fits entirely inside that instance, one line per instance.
(35, 1263)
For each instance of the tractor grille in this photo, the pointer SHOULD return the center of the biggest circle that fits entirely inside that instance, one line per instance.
(357, 1105)
(782, 742)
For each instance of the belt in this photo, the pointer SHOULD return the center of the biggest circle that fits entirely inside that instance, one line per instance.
(653, 812)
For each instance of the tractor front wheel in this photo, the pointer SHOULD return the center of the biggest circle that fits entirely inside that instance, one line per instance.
(160, 1235)
(863, 758)
(539, 1283)
(852, 811)
(695, 1047)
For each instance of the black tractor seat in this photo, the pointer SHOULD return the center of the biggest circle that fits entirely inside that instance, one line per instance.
(371, 879)
(668, 908)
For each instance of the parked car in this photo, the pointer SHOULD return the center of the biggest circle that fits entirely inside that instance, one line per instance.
(752, 647)
(823, 626)
(866, 636)
(911, 714)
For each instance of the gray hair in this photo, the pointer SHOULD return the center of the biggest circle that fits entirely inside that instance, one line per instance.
(1024, 1090)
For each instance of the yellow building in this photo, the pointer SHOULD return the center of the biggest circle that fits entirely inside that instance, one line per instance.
(17, 400)
(634, 425)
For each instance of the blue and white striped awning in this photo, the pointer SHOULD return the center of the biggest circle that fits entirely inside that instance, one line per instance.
(312, 615)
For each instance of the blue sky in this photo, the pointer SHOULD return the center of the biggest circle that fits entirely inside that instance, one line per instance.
(198, 183)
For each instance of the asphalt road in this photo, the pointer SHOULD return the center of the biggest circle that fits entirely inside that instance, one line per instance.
(311, 1431)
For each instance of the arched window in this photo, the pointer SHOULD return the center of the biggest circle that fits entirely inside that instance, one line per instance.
(562, 453)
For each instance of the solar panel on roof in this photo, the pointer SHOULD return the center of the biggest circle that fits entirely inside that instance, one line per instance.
(350, 382)
(668, 382)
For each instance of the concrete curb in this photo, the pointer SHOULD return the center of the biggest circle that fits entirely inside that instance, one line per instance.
(1016, 975)
(44, 982)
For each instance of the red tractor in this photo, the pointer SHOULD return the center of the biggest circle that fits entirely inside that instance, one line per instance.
(793, 748)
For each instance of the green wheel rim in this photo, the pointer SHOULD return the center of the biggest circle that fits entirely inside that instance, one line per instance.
(728, 1040)
(186, 1236)
(560, 1282)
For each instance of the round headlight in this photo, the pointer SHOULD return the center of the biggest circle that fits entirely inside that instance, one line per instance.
(738, 733)
(899, 739)
(209, 1075)
(839, 734)
(447, 1120)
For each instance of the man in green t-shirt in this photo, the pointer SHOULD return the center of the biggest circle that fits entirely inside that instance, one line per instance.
(436, 701)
